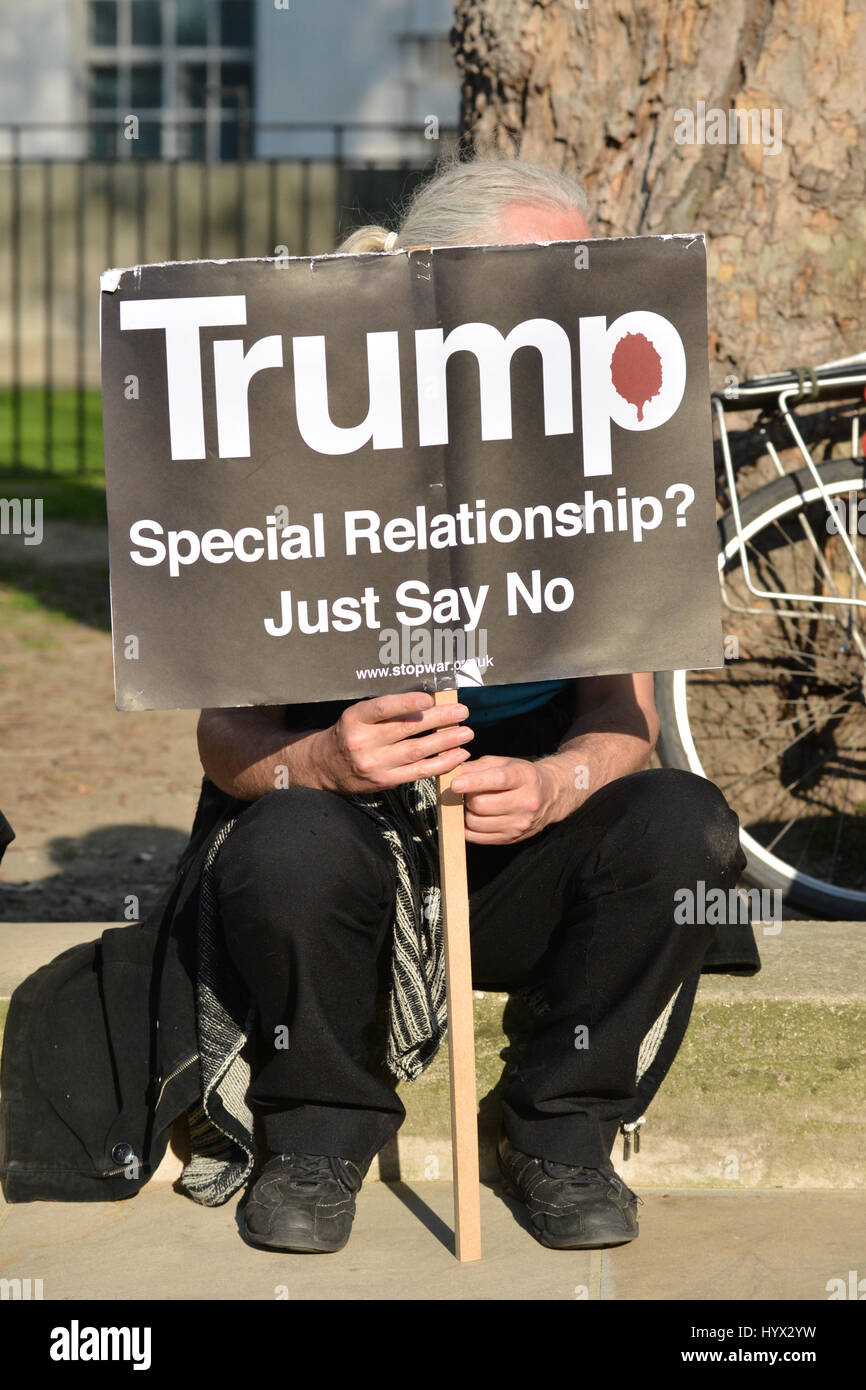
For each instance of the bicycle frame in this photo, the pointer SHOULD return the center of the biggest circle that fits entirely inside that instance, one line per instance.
(832, 380)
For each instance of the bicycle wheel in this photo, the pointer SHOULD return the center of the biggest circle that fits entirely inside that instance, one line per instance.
(781, 728)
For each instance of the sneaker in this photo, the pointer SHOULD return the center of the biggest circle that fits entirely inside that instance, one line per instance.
(570, 1207)
(302, 1202)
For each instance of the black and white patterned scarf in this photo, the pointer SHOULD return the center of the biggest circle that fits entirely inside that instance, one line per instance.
(223, 1150)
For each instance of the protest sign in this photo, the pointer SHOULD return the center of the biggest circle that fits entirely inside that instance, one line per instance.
(338, 476)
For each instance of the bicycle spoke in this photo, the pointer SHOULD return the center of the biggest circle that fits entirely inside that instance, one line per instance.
(776, 724)
(748, 776)
(783, 832)
(838, 840)
(790, 786)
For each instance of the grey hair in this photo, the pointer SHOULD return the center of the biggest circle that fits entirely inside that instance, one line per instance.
(464, 202)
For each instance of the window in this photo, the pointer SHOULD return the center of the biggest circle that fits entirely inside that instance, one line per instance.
(103, 88)
(183, 67)
(149, 142)
(236, 23)
(236, 80)
(103, 23)
(191, 23)
(146, 87)
(193, 85)
(146, 23)
(103, 81)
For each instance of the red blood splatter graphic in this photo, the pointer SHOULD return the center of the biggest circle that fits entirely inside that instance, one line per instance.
(636, 370)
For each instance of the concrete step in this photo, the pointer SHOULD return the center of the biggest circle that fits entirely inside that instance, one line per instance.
(766, 1091)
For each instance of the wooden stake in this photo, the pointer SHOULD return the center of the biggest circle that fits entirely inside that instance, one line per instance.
(461, 1024)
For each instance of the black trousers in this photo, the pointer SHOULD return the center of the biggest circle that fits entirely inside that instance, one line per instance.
(584, 912)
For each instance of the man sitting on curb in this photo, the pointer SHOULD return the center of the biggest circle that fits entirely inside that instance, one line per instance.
(575, 851)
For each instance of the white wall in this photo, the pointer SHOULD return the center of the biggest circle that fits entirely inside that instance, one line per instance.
(332, 61)
(39, 72)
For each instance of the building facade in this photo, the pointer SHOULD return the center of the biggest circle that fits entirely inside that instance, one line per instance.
(218, 79)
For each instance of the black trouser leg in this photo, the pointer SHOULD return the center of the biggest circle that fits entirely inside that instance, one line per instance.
(585, 911)
(306, 892)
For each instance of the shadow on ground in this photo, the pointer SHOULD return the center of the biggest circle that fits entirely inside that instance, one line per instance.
(97, 874)
(79, 592)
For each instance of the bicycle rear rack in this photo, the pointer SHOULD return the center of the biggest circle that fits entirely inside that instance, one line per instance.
(839, 380)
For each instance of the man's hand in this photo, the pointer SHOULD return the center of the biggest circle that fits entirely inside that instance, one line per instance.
(389, 740)
(375, 744)
(613, 734)
(505, 799)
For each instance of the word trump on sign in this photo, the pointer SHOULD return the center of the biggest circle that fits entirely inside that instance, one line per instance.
(632, 372)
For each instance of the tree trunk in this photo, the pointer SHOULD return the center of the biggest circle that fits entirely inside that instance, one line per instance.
(603, 88)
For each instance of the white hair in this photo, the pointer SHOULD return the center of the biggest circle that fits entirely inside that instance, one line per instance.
(464, 203)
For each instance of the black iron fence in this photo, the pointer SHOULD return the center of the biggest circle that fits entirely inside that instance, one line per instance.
(63, 220)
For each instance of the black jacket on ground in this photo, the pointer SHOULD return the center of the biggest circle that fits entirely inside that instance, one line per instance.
(101, 1045)
(7, 834)
(93, 1073)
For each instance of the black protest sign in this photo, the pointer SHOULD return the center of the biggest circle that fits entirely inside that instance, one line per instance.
(334, 477)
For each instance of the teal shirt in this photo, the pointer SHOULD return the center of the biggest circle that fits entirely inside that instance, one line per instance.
(489, 704)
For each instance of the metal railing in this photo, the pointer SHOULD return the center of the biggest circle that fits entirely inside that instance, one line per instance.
(63, 220)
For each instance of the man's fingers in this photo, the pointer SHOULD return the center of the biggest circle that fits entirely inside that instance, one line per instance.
(430, 767)
(381, 707)
(488, 777)
(395, 722)
(414, 750)
(493, 804)
(488, 825)
(500, 837)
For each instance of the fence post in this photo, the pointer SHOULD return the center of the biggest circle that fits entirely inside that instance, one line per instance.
(15, 301)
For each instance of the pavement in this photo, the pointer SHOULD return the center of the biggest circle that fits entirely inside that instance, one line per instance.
(692, 1246)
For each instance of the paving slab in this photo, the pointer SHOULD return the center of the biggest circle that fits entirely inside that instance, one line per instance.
(24, 946)
(692, 1246)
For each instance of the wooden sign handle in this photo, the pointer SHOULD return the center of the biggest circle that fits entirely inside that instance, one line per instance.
(461, 1024)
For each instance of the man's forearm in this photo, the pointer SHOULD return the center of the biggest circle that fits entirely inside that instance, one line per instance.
(602, 745)
(250, 761)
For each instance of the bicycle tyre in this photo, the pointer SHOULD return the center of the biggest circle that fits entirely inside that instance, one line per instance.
(781, 498)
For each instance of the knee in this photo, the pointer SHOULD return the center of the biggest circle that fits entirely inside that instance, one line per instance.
(685, 817)
(300, 843)
(693, 817)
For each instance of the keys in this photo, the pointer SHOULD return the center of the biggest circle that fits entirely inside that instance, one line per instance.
(631, 1137)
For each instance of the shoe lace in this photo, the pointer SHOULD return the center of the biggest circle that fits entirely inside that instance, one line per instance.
(307, 1170)
(576, 1176)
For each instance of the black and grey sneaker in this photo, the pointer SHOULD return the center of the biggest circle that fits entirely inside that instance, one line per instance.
(570, 1207)
(302, 1202)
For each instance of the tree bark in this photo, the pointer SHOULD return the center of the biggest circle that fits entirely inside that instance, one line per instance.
(596, 91)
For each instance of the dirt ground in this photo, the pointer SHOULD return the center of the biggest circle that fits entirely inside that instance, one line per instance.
(101, 802)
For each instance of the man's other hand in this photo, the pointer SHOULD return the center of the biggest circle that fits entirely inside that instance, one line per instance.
(505, 799)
